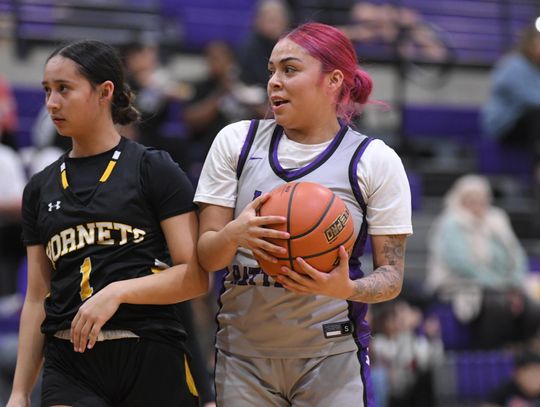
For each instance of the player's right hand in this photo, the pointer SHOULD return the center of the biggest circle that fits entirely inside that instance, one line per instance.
(249, 230)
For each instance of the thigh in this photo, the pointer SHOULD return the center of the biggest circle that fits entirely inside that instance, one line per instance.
(61, 383)
(240, 383)
(335, 380)
(162, 378)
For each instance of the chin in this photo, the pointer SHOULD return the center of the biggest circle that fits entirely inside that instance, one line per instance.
(65, 133)
(282, 121)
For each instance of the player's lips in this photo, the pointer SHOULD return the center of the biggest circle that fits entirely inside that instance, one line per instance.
(277, 102)
(57, 119)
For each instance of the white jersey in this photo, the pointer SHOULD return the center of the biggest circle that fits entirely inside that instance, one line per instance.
(258, 317)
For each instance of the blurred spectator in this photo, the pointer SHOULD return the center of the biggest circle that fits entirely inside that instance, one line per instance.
(407, 348)
(272, 19)
(218, 100)
(512, 112)
(156, 93)
(477, 264)
(400, 28)
(523, 389)
(47, 144)
(8, 115)
(12, 182)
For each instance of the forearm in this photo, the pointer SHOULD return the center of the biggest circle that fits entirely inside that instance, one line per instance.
(216, 249)
(30, 349)
(175, 284)
(383, 284)
(386, 280)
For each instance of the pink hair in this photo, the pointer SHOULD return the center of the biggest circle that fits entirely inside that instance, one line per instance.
(335, 51)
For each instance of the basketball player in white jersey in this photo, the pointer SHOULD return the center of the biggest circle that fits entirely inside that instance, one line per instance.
(301, 339)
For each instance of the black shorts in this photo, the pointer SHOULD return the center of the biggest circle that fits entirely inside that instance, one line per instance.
(131, 372)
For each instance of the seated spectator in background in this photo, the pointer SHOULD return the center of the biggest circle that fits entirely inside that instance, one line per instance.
(523, 389)
(400, 28)
(8, 115)
(12, 182)
(511, 114)
(154, 91)
(217, 100)
(272, 19)
(477, 264)
(405, 348)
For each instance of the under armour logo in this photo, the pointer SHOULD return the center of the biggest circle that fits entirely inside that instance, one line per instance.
(54, 206)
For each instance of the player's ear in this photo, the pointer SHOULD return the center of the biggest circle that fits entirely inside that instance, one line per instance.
(106, 90)
(335, 79)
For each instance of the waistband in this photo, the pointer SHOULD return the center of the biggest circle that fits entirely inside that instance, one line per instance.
(102, 336)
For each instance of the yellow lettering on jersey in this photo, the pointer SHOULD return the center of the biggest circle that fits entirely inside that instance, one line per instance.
(86, 269)
(80, 236)
(124, 230)
(68, 241)
(104, 233)
(86, 235)
(55, 248)
(138, 235)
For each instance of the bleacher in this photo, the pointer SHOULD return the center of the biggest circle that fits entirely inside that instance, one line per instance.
(42, 22)
(478, 31)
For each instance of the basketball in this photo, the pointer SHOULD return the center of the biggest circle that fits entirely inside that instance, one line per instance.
(318, 222)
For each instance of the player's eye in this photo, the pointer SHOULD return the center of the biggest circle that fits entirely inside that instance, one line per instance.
(290, 69)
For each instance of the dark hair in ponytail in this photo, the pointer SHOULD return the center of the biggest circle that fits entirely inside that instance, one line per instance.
(99, 62)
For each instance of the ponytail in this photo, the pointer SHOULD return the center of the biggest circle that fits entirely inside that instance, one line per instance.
(122, 109)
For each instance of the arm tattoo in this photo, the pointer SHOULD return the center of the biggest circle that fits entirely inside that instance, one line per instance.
(393, 250)
(386, 280)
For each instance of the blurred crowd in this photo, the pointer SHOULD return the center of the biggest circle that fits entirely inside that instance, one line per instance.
(477, 266)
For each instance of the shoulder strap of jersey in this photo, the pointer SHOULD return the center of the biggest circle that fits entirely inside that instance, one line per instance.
(353, 170)
(360, 243)
(246, 147)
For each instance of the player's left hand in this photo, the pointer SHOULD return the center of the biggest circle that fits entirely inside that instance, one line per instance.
(92, 315)
(336, 283)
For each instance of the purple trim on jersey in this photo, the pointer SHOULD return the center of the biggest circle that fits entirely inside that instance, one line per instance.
(357, 313)
(219, 289)
(358, 248)
(365, 372)
(353, 170)
(246, 147)
(291, 175)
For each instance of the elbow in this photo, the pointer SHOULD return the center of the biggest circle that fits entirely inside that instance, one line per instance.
(395, 293)
(396, 287)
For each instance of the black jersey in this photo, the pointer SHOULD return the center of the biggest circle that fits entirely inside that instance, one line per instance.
(109, 233)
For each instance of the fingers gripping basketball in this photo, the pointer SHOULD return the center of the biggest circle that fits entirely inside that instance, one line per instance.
(318, 222)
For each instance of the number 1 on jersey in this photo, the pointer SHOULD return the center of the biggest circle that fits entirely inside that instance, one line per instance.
(86, 269)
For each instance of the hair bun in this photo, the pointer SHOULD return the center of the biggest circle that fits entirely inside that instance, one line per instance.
(363, 85)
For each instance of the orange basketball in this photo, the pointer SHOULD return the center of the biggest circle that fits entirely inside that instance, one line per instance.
(318, 222)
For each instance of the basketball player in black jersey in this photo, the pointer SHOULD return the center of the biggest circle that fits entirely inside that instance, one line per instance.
(100, 224)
